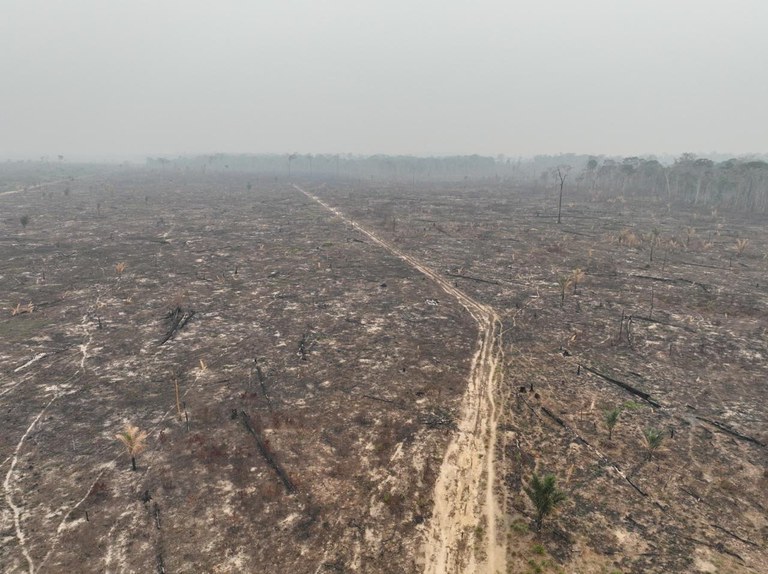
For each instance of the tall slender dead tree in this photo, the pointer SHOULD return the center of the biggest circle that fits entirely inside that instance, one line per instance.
(561, 173)
(564, 281)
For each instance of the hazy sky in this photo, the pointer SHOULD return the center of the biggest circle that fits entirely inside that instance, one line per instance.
(119, 77)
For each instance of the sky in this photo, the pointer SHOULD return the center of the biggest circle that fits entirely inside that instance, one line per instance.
(125, 79)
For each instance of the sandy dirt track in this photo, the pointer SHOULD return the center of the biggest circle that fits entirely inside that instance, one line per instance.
(461, 535)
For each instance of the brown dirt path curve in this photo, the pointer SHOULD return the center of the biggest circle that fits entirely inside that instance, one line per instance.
(461, 536)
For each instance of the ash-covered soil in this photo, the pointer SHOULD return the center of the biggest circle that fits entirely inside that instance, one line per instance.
(319, 375)
(676, 339)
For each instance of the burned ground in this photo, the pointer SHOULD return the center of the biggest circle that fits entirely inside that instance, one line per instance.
(677, 341)
(318, 376)
(333, 351)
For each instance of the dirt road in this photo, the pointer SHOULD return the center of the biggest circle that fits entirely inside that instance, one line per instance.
(32, 187)
(461, 536)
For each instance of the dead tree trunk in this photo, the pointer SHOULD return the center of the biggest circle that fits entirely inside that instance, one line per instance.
(561, 174)
(268, 455)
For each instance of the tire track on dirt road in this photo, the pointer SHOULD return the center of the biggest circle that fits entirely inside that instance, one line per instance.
(44, 184)
(461, 536)
(17, 510)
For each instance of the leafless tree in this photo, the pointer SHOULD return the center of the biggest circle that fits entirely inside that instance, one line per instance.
(562, 173)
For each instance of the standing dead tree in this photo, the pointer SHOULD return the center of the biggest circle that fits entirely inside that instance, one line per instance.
(653, 239)
(262, 378)
(564, 281)
(561, 172)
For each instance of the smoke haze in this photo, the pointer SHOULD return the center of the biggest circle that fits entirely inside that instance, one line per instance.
(97, 79)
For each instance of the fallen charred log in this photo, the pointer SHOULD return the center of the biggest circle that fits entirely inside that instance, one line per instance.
(176, 318)
(728, 430)
(626, 386)
(268, 455)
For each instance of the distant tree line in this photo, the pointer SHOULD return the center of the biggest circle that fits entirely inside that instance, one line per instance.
(385, 167)
(740, 184)
(737, 183)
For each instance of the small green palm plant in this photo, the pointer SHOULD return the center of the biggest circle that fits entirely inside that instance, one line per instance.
(544, 494)
(653, 439)
(611, 418)
(134, 441)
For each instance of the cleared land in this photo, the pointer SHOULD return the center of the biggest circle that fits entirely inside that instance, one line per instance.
(326, 379)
